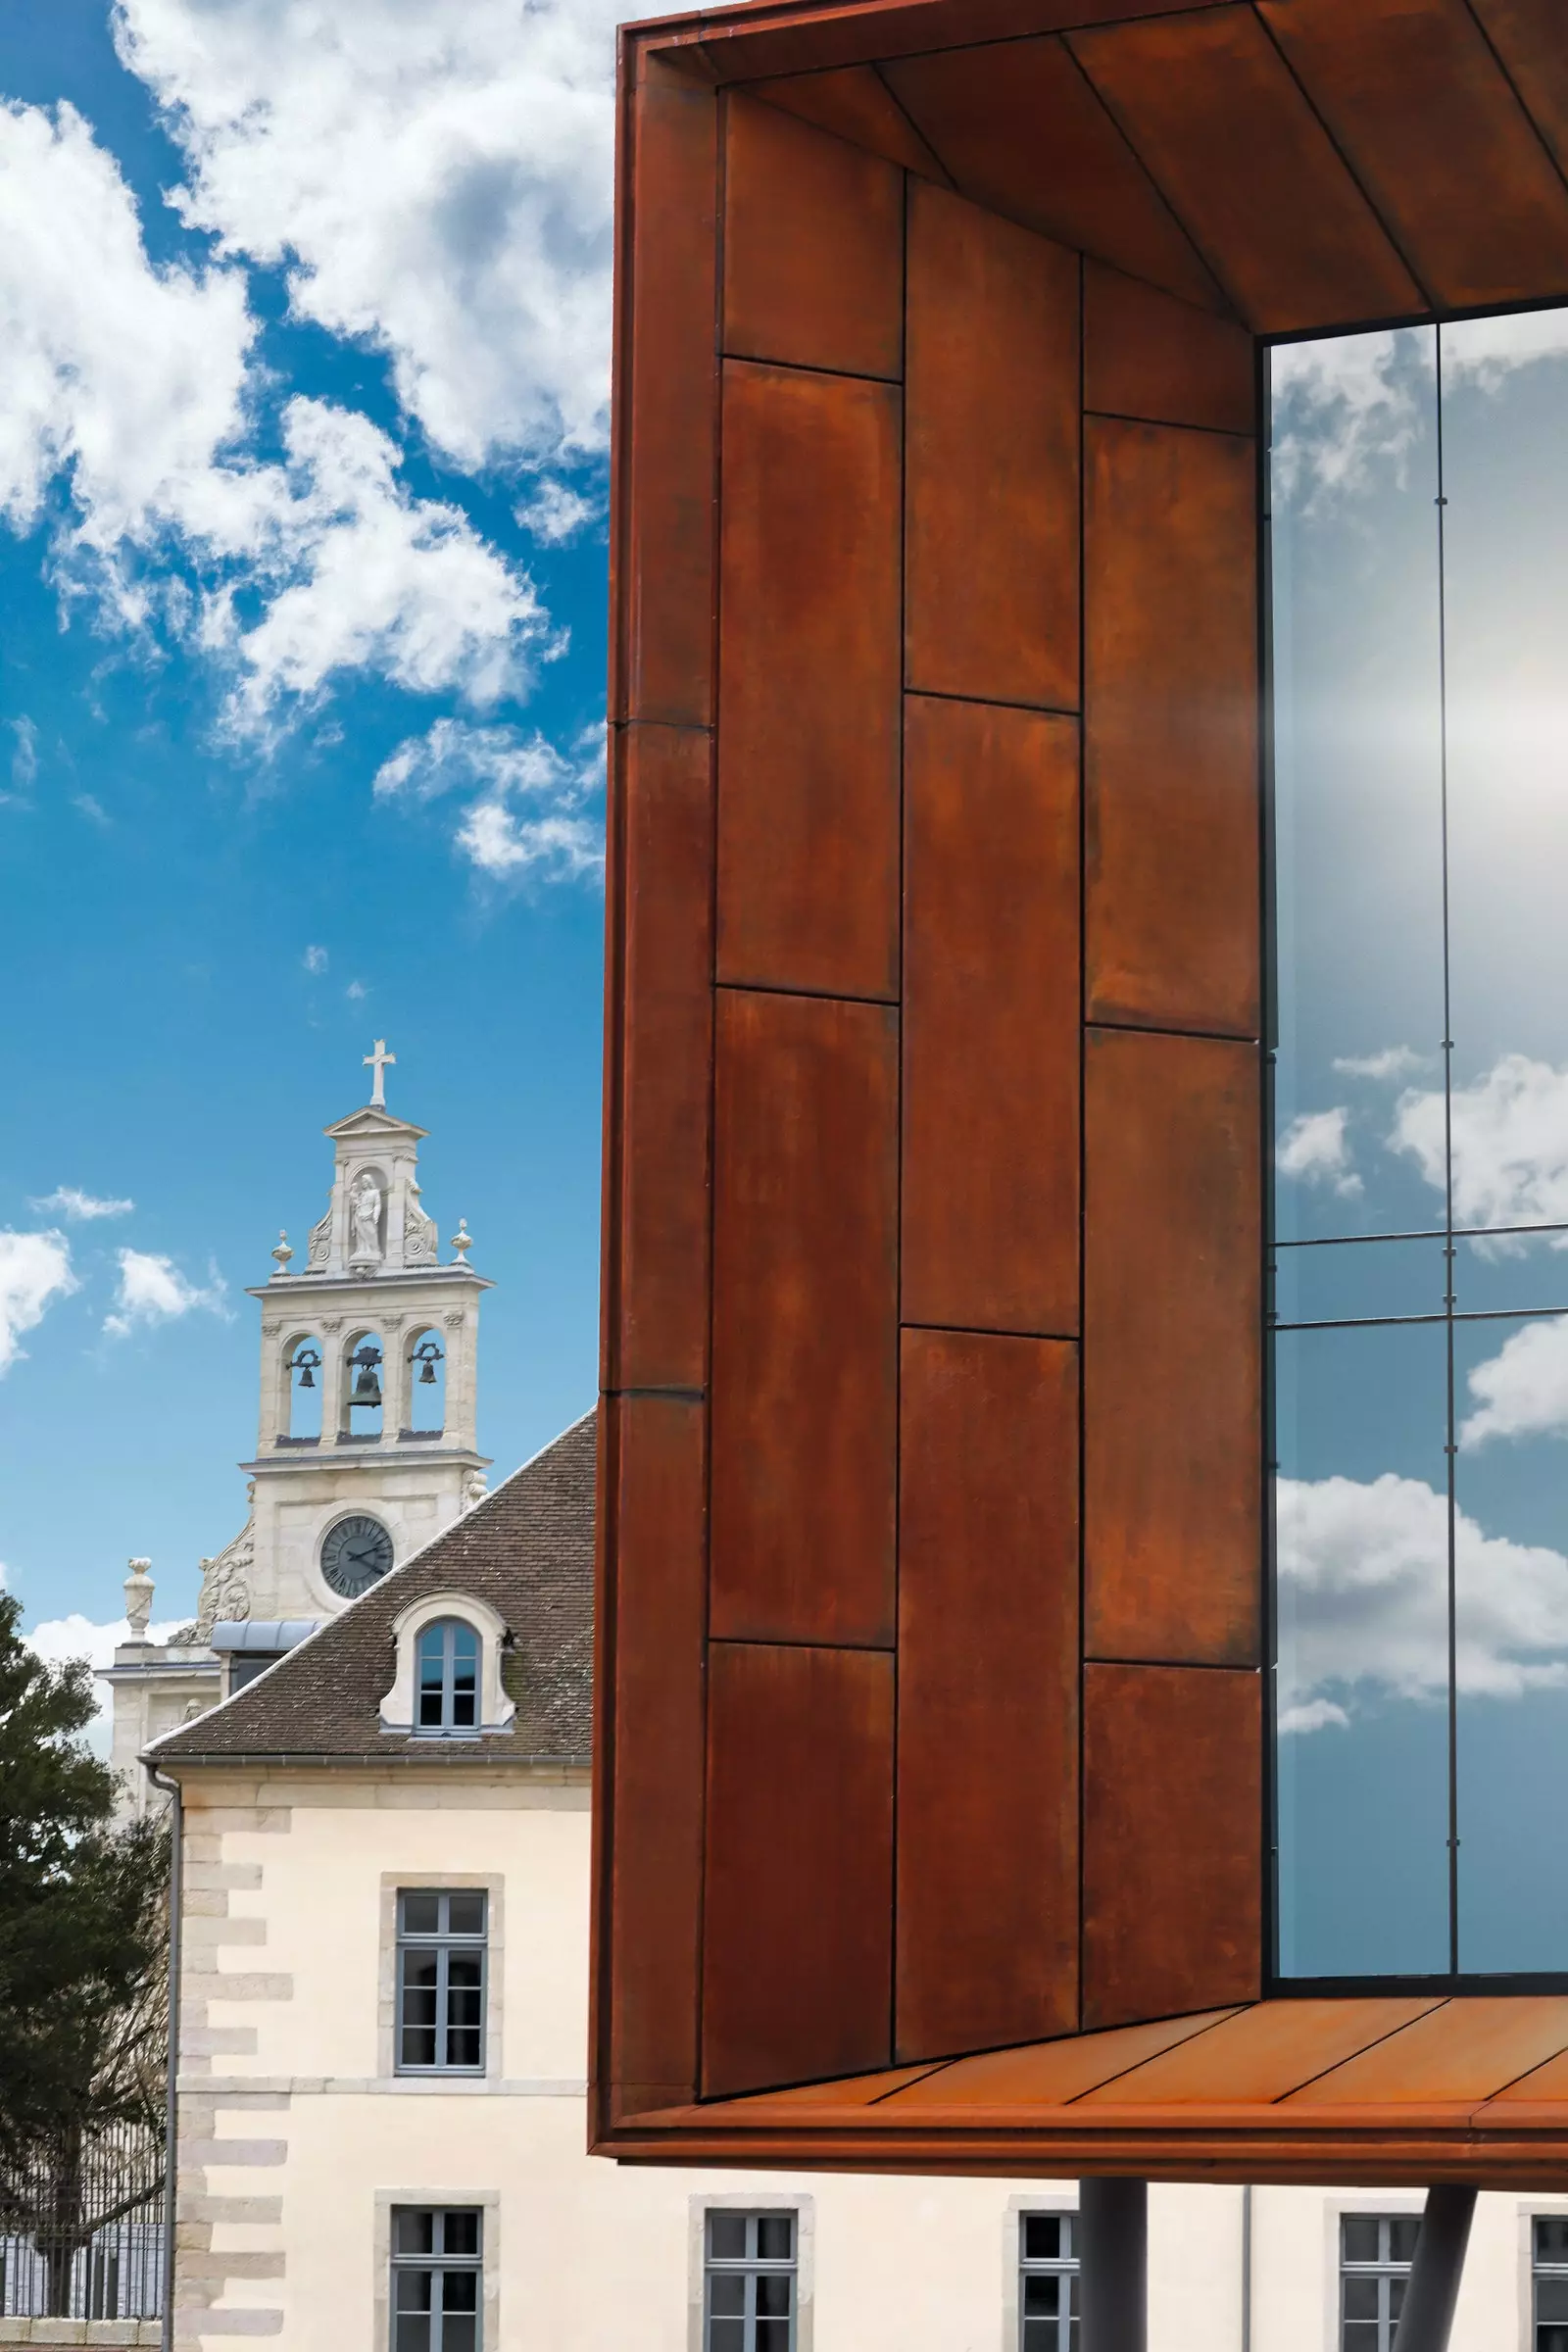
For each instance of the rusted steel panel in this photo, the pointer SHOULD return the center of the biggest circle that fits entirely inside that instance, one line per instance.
(1467, 2050)
(1429, 125)
(1212, 108)
(992, 592)
(988, 1692)
(809, 741)
(740, 43)
(1527, 35)
(797, 1907)
(1170, 749)
(813, 246)
(1020, 130)
(1173, 1865)
(854, 103)
(1261, 2055)
(1150, 356)
(805, 1320)
(656, 1196)
(991, 1022)
(1173, 1355)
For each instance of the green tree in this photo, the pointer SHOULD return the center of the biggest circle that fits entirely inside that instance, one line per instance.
(83, 1944)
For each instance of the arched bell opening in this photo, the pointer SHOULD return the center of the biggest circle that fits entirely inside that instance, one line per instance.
(427, 1384)
(301, 1390)
(363, 1367)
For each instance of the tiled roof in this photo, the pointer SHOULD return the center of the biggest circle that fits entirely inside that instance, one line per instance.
(528, 1551)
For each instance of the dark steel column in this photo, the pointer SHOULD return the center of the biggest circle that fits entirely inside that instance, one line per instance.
(1113, 2265)
(1435, 2274)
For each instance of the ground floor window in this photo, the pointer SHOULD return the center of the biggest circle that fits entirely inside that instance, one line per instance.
(437, 2252)
(1549, 2264)
(1376, 2251)
(1048, 2282)
(749, 2283)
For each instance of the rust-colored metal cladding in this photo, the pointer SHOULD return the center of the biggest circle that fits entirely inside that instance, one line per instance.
(650, 1822)
(1265, 2052)
(854, 103)
(790, 39)
(1173, 1878)
(1172, 1353)
(1456, 2055)
(813, 246)
(987, 1947)
(991, 1030)
(1052, 2074)
(661, 1061)
(662, 649)
(1213, 112)
(1148, 356)
(809, 662)
(991, 589)
(1431, 129)
(1527, 35)
(1170, 748)
(797, 1907)
(1020, 130)
(805, 1320)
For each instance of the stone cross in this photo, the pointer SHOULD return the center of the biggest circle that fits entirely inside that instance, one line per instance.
(380, 1060)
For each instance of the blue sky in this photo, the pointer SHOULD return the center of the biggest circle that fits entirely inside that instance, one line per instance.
(302, 562)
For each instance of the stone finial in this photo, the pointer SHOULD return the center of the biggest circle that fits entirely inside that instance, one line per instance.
(138, 1598)
(282, 1253)
(462, 1241)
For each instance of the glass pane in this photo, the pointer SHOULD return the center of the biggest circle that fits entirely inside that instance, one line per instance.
(1357, 766)
(1361, 1561)
(772, 2335)
(1396, 2297)
(1551, 2237)
(1551, 2298)
(1040, 2335)
(726, 2292)
(775, 2236)
(460, 2231)
(411, 2332)
(1334, 1280)
(726, 2237)
(460, 2334)
(413, 2230)
(1042, 2296)
(1402, 2235)
(1043, 2236)
(726, 2335)
(421, 1914)
(415, 2289)
(1358, 2237)
(464, 1708)
(775, 2294)
(1512, 1592)
(1520, 1273)
(1361, 2336)
(1360, 2298)
(1553, 2340)
(459, 2290)
(466, 1916)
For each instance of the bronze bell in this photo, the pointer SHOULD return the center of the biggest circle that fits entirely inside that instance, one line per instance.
(307, 1377)
(304, 1364)
(428, 1373)
(366, 1388)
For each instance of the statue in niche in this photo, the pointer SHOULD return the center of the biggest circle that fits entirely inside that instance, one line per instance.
(365, 1218)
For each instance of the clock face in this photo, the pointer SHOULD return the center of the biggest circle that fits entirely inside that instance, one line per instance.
(354, 1554)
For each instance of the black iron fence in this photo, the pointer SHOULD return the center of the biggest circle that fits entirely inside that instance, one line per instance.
(81, 2233)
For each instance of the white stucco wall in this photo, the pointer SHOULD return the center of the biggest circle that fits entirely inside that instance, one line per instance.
(296, 2136)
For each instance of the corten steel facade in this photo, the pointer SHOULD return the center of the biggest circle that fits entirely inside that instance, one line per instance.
(932, 1577)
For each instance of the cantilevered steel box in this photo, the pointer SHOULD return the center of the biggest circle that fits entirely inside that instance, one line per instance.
(931, 1815)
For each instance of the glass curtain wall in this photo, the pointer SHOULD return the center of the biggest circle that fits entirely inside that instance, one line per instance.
(1418, 535)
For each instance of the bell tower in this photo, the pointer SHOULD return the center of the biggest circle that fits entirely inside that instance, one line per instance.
(366, 1444)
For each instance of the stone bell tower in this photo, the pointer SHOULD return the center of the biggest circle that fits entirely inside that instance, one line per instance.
(367, 1442)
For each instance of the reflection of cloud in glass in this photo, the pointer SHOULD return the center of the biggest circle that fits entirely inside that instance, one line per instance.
(1509, 1145)
(1363, 1572)
(1392, 1063)
(1522, 1391)
(1316, 1148)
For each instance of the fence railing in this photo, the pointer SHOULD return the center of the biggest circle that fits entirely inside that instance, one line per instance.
(85, 2233)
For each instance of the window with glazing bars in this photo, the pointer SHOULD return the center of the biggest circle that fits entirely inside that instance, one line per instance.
(749, 2283)
(437, 2258)
(448, 1677)
(1549, 2267)
(441, 1965)
(1048, 2282)
(1376, 2251)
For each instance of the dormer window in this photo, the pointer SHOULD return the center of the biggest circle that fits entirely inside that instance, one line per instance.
(447, 1681)
(448, 1677)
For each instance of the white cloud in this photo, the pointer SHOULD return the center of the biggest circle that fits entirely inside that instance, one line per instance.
(153, 1289)
(1316, 1148)
(84, 1209)
(555, 513)
(24, 757)
(138, 385)
(34, 1267)
(1509, 1145)
(1392, 1063)
(1521, 1392)
(534, 811)
(436, 181)
(58, 1639)
(315, 960)
(1488, 351)
(355, 992)
(1342, 407)
(1363, 1585)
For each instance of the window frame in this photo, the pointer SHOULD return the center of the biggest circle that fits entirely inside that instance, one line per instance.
(750, 2267)
(440, 2265)
(1063, 2265)
(444, 1941)
(1557, 2271)
(1385, 2269)
(449, 1627)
